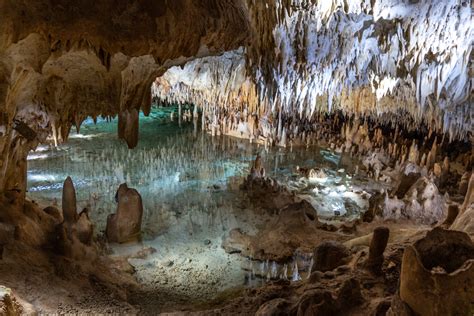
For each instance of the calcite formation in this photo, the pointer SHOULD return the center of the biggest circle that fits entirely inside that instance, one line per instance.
(384, 82)
(399, 62)
(437, 274)
(125, 225)
(74, 235)
(61, 62)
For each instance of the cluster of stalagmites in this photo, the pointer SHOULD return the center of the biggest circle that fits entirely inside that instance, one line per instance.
(435, 268)
(123, 226)
(436, 277)
(74, 232)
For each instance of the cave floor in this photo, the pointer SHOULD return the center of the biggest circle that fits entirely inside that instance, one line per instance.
(189, 182)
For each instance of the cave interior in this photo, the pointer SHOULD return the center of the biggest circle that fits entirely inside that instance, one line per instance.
(236, 157)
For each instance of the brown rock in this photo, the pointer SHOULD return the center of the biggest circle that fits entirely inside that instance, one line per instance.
(405, 183)
(377, 247)
(465, 222)
(54, 212)
(330, 255)
(349, 294)
(84, 229)
(437, 170)
(316, 302)
(464, 183)
(469, 198)
(125, 224)
(274, 307)
(453, 211)
(69, 201)
(437, 274)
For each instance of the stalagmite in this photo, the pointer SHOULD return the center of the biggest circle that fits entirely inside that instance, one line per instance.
(453, 211)
(469, 198)
(69, 201)
(125, 224)
(377, 248)
(130, 132)
(464, 183)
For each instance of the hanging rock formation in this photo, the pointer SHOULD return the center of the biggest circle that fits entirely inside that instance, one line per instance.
(399, 62)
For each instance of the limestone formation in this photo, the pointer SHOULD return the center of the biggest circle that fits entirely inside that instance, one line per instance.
(74, 235)
(69, 201)
(465, 221)
(125, 224)
(469, 198)
(433, 270)
(453, 211)
(330, 255)
(377, 248)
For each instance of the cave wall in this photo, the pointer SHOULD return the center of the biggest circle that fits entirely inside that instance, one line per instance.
(63, 60)
(397, 61)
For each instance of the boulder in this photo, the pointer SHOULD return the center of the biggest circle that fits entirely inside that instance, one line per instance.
(330, 255)
(125, 224)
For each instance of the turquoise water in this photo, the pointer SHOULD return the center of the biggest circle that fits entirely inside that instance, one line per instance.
(175, 167)
(189, 182)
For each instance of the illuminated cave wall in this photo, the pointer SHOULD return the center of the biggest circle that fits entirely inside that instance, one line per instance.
(363, 57)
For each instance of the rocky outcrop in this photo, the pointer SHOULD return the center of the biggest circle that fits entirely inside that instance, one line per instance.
(125, 224)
